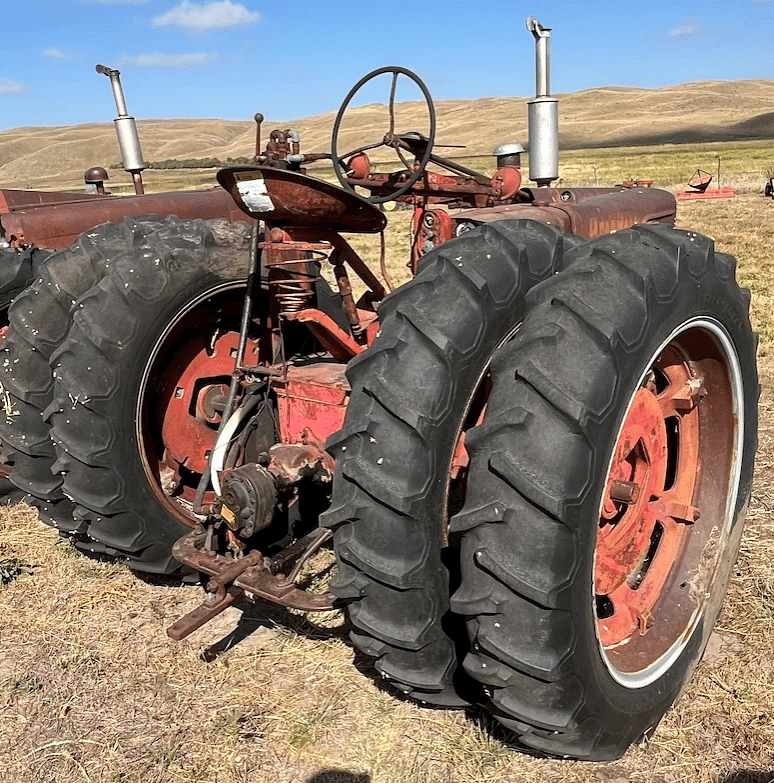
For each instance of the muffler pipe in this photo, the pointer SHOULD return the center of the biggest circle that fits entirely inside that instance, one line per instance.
(542, 113)
(126, 130)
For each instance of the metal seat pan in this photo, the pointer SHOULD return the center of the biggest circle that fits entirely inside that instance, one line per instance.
(291, 199)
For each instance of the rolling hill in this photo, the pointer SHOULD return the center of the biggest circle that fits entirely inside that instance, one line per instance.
(716, 111)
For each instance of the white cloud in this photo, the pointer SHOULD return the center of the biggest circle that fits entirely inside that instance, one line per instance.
(159, 60)
(218, 15)
(685, 30)
(10, 87)
(55, 54)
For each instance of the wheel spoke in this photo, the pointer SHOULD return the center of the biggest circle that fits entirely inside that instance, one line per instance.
(642, 519)
(365, 147)
(392, 103)
(649, 500)
(672, 506)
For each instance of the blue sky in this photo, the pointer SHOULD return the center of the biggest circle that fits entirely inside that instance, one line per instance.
(296, 58)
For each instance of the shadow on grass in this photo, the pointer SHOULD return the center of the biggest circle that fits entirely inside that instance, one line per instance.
(338, 776)
(263, 614)
(746, 776)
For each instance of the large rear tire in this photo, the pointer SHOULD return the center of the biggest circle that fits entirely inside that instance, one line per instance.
(400, 462)
(607, 491)
(17, 270)
(38, 321)
(138, 378)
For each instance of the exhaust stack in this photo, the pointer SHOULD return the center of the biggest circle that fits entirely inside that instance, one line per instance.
(126, 129)
(542, 113)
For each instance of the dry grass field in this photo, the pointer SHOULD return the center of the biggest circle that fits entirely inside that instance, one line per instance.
(706, 114)
(92, 690)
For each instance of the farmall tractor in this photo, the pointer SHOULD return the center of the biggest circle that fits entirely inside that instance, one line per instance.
(532, 460)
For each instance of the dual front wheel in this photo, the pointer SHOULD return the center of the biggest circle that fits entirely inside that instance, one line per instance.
(540, 482)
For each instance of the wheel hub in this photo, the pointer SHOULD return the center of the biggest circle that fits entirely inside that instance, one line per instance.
(193, 382)
(638, 472)
(648, 501)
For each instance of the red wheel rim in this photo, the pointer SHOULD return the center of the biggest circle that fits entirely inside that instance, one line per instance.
(182, 395)
(668, 501)
(474, 414)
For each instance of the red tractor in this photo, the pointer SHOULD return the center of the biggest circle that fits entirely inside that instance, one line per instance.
(532, 460)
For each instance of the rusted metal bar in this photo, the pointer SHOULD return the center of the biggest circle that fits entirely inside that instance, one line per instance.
(345, 289)
(333, 338)
(357, 265)
(586, 212)
(252, 576)
(203, 613)
(290, 556)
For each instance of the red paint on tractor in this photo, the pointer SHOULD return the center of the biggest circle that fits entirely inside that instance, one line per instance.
(54, 221)
(586, 212)
(649, 501)
(312, 397)
(194, 385)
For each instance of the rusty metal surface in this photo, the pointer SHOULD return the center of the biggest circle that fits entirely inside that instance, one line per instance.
(203, 613)
(345, 253)
(293, 199)
(292, 557)
(506, 181)
(292, 462)
(13, 200)
(54, 223)
(249, 574)
(587, 212)
(700, 181)
(431, 227)
(312, 397)
(646, 513)
(701, 195)
(432, 188)
(332, 337)
(185, 409)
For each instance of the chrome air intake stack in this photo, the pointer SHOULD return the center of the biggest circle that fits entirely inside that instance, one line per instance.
(543, 113)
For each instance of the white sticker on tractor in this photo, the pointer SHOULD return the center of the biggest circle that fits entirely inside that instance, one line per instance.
(255, 196)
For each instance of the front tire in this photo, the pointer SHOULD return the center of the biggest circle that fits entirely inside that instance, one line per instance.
(608, 487)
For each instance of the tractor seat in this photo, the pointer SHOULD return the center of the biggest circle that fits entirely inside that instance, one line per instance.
(287, 198)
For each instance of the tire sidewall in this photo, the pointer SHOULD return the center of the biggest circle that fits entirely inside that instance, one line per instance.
(126, 407)
(709, 299)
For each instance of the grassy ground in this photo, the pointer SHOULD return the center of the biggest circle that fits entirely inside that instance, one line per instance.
(743, 165)
(91, 689)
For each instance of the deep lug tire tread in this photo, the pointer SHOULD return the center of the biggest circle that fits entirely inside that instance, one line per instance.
(97, 368)
(409, 391)
(39, 319)
(525, 523)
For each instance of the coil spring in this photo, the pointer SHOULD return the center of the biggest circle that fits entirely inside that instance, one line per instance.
(296, 287)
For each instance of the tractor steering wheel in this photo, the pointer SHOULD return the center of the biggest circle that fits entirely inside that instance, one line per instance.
(391, 139)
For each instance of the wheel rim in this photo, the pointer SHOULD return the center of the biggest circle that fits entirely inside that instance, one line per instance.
(668, 502)
(181, 396)
(473, 415)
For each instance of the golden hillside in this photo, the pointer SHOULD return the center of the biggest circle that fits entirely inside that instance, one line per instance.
(603, 117)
